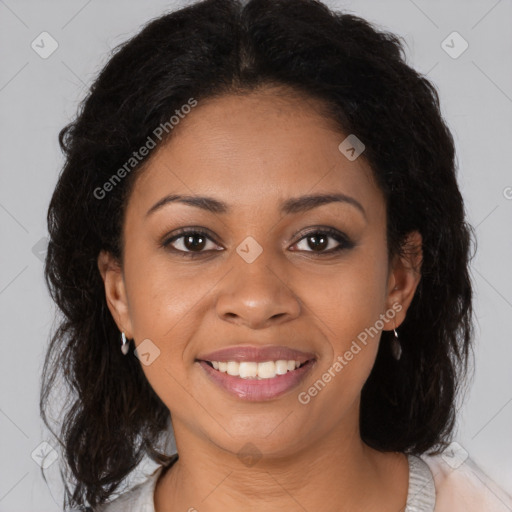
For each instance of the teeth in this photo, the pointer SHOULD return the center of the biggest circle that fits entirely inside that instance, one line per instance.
(267, 370)
(247, 370)
(233, 368)
(253, 370)
(282, 367)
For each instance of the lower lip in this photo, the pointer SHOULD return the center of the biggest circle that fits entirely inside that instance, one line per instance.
(254, 390)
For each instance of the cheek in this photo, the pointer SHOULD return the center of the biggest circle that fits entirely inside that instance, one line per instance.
(348, 309)
(351, 298)
(348, 305)
(163, 311)
(160, 295)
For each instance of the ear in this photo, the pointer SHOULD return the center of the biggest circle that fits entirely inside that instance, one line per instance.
(404, 277)
(115, 291)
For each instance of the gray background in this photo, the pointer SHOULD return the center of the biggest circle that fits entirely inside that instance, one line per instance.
(38, 96)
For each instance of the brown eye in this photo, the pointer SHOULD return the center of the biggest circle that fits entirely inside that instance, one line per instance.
(318, 242)
(194, 242)
(324, 241)
(191, 241)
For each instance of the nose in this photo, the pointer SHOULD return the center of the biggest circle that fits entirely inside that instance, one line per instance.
(257, 296)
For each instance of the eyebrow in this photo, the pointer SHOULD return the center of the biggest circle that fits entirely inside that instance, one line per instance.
(290, 206)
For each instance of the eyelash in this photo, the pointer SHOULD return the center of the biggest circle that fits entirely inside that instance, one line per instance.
(343, 240)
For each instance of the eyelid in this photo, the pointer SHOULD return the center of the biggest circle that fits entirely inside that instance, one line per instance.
(168, 239)
(344, 242)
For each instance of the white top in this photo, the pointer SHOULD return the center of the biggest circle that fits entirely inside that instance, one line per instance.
(437, 483)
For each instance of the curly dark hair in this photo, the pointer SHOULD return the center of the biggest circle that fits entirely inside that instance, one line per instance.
(218, 47)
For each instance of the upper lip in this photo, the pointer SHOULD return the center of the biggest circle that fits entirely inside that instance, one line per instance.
(257, 354)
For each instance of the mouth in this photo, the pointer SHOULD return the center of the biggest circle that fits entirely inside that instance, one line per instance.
(256, 374)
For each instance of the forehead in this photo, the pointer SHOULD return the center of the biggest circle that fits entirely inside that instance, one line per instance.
(251, 149)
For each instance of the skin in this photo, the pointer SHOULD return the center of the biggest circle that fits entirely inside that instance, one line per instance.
(253, 152)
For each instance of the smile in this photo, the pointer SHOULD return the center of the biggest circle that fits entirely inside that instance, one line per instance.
(253, 381)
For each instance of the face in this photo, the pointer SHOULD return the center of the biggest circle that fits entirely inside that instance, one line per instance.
(265, 270)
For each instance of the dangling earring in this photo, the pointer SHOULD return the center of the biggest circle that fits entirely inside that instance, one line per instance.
(125, 346)
(396, 348)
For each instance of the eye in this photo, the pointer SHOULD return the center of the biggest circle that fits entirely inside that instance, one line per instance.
(196, 241)
(318, 241)
(190, 241)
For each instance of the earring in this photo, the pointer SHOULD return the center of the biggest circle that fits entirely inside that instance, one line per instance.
(125, 346)
(396, 348)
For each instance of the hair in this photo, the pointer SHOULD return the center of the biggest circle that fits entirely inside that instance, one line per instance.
(223, 47)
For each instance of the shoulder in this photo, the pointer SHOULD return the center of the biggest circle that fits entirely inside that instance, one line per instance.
(137, 499)
(461, 485)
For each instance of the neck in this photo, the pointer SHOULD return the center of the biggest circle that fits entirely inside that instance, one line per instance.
(337, 472)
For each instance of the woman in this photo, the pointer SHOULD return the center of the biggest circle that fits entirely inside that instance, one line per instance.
(258, 240)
